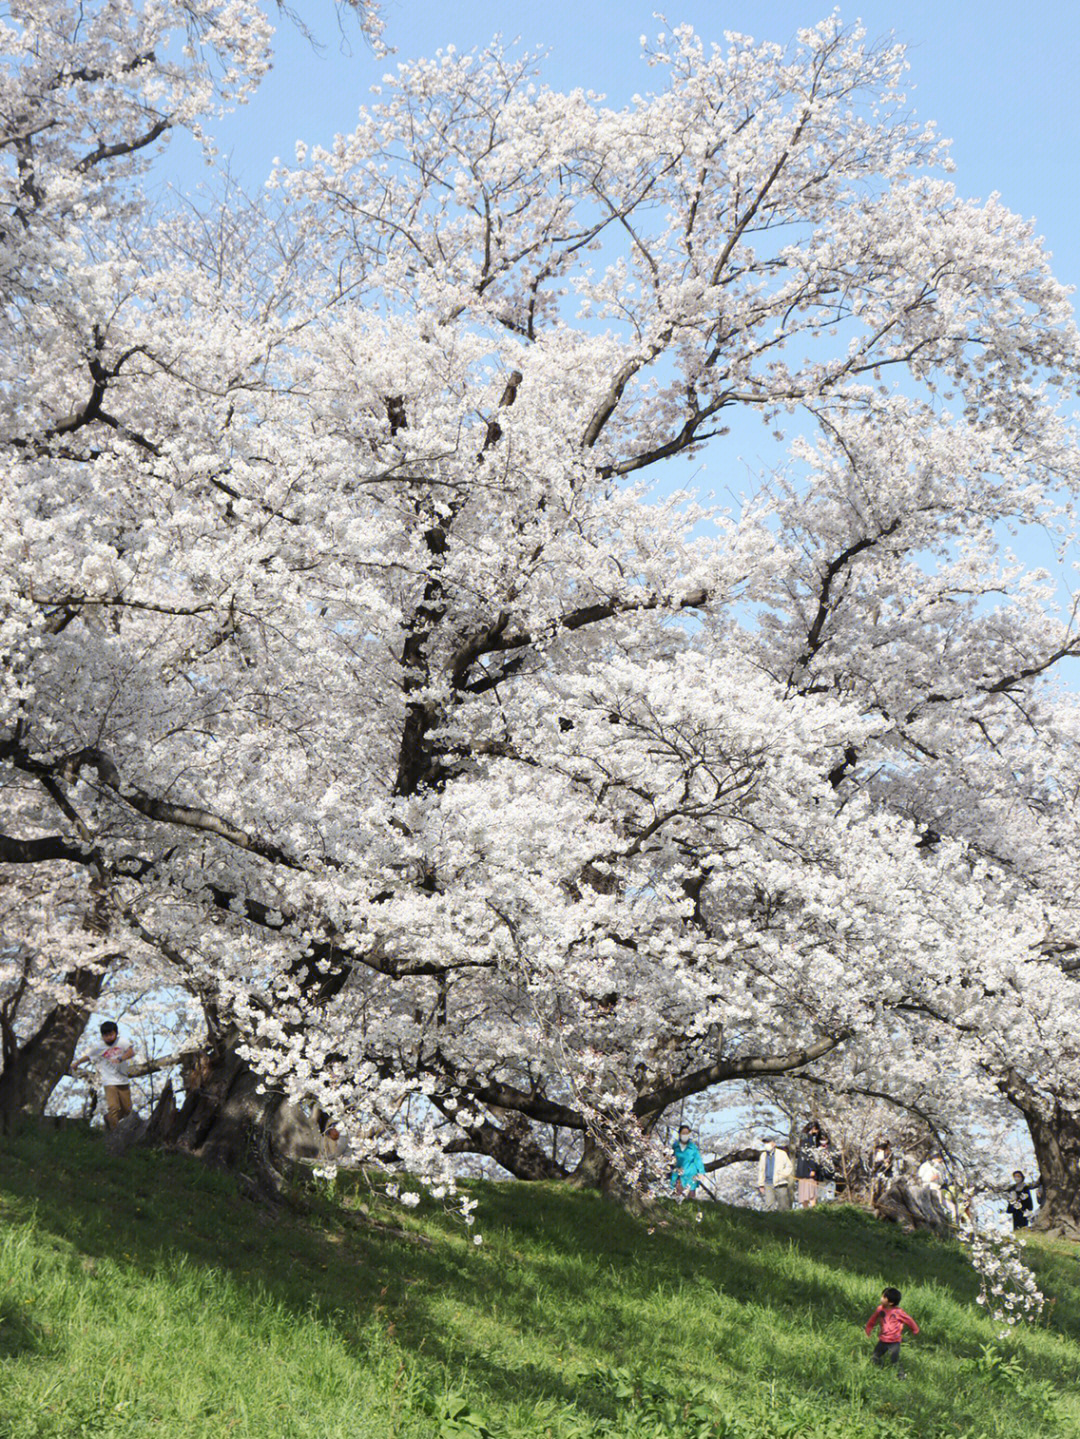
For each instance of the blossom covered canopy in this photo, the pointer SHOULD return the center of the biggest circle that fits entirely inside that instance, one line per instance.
(359, 663)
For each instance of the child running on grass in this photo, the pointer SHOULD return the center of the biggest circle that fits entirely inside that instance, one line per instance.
(893, 1322)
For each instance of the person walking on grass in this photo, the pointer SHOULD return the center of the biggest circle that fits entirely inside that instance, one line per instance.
(689, 1165)
(774, 1176)
(893, 1322)
(110, 1058)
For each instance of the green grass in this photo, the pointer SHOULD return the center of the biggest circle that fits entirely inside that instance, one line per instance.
(144, 1296)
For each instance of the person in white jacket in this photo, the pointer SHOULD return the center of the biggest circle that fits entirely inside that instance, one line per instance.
(774, 1176)
(932, 1172)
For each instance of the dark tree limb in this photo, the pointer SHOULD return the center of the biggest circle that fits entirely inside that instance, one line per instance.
(722, 1071)
(733, 1156)
(495, 640)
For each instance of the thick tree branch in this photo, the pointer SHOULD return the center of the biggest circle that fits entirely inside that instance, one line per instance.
(122, 147)
(723, 1070)
(733, 1156)
(824, 597)
(41, 851)
(151, 806)
(495, 640)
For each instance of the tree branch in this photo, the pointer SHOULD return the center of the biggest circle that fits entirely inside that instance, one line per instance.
(495, 640)
(721, 1071)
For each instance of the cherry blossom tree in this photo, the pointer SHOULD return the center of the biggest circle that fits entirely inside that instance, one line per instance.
(89, 95)
(364, 656)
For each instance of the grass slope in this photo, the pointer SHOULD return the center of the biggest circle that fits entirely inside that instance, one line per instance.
(143, 1296)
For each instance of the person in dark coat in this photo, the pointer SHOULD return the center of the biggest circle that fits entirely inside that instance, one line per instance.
(808, 1164)
(827, 1160)
(1018, 1201)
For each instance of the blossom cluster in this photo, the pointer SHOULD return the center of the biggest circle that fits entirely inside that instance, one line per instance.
(1008, 1289)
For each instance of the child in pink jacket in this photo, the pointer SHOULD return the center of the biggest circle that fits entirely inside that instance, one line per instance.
(893, 1322)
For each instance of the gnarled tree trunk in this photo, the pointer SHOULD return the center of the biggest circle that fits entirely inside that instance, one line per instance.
(511, 1145)
(1054, 1126)
(230, 1119)
(33, 1067)
(594, 1169)
(597, 1170)
(914, 1206)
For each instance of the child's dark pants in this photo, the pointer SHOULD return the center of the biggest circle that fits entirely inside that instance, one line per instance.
(888, 1354)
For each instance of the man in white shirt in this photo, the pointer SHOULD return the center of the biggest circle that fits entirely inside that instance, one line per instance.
(111, 1058)
(930, 1172)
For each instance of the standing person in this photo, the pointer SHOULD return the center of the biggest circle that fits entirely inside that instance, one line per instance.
(111, 1057)
(1018, 1201)
(881, 1168)
(826, 1172)
(689, 1165)
(807, 1164)
(931, 1172)
(893, 1322)
(774, 1176)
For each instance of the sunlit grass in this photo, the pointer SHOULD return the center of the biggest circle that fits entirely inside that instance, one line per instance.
(143, 1296)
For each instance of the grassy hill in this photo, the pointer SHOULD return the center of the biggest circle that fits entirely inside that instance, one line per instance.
(143, 1296)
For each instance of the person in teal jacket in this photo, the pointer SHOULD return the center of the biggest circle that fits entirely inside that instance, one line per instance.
(689, 1165)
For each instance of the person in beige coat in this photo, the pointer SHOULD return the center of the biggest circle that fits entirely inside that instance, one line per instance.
(774, 1175)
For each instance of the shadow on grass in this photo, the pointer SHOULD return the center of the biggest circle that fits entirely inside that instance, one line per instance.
(20, 1334)
(565, 1282)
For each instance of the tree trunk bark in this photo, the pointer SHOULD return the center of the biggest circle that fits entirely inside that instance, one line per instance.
(32, 1068)
(914, 1206)
(1056, 1141)
(511, 1146)
(595, 1170)
(226, 1121)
